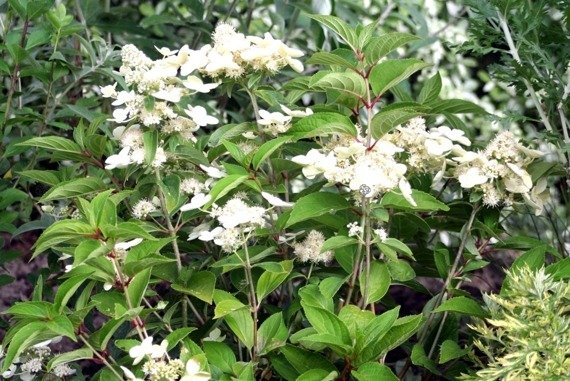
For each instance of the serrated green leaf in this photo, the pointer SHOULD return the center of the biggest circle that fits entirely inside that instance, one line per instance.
(425, 202)
(270, 280)
(326, 58)
(316, 204)
(377, 285)
(67, 357)
(340, 27)
(394, 115)
(322, 124)
(266, 149)
(450, 350)
(462, 305)
(137, 287)
(74, 188)
(201, 285)
(430, 89)
(349, 82)
(373, 371)
(391, 72)
(455, 106)
(380, 46)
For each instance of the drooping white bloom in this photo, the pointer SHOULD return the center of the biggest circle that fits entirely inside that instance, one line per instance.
(538, 196)
(406, 190)
(236, 212)
(210, 235)
(166, 51)
(194, 83)
(453, 135)
(193, 372)
(120, 160)
(315, 162)
(123, 246)
(213, 172)
(200, 116)
(193, 59)
(382, 234)
(296, 113)
(159, 158)
(109, 91)
(472, 177)
(171, 94)
(354, 230)
(198, 201)
(198, 230)
(274, 122)
(130, 375)
(147, 348)
(276, 201)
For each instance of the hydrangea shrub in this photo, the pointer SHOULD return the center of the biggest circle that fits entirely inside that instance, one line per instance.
(202, 244)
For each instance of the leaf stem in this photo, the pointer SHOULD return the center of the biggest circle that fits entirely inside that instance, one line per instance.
(252, 299)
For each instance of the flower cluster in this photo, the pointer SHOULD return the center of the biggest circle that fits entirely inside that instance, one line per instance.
(310, 250)
(275, 123)
(426, 151)
(499, 172)
(159, 367)
(32, 362)
(368, 170)
(236, 218)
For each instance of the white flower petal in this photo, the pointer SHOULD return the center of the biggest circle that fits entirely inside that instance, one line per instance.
(196, 202)
(276, 201)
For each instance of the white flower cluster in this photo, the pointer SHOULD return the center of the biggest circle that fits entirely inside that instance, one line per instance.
(133, 152)
(31, 364)
(499, 173)
(370, 171)
(144, 207)
(232, 54)
(310, 250)
(236, 218)
(158, 367)
(426, 151)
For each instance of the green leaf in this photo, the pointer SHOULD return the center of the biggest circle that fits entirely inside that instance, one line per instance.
(326, 339)
(21, 340)
(391, 72)
(394, 115)
(401, 271)
(378, 283)
(338, 241)
(318, 375)
(463, 305)
(401, 331)
(349, 82)
(425, 202)
(224, 186)
(373, 371)
(341, 28)
(62, 326)
(326, 322)
(53, 143)
(174, 337)
(420, 358)
(321, 124)
(36, 310)
(272, 334)
(533, 258)
(100, 338)
(146, 255)
(381, 46)
(150, 142)
(227, 306)
(315, 205)
(62, 231)
(266, 149)
(270, 280)
(455, 106)
(431, 89)
(74, 188)
(303, 360)
(65, 358)
(220, 355)
(137, 287)
(326, 58)
(37, 37)
(201, 285)
(66, 291)
(450, 350)
(46, 177)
